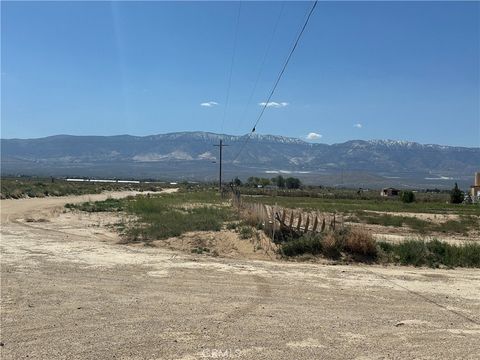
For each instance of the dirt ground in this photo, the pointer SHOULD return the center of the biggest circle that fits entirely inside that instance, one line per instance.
(70, 291)
(397, 234)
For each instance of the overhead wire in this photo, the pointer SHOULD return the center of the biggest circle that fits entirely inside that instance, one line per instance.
(297, 40)
(260, 70)
(231, 65)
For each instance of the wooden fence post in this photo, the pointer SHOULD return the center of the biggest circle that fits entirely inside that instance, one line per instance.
(290, 225)
(315, 224)
(299, 221)
(307, 223)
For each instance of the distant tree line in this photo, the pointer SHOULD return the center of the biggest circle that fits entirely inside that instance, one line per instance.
(279, 181)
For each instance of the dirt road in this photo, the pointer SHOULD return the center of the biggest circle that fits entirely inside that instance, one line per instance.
(78, 295)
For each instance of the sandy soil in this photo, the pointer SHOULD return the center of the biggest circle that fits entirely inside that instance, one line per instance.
(397, 234)
(71, 292)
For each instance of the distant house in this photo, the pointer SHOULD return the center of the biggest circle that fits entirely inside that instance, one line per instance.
(475, 188)
(389, 192)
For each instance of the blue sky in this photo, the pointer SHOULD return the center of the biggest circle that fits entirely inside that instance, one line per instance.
(379, 70)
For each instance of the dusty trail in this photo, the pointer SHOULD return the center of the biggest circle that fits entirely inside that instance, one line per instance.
(72, 293)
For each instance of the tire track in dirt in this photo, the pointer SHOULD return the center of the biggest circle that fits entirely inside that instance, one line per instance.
(263, 292)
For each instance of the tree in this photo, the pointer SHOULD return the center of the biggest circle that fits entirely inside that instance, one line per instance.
(237, 181)
(264, 182)
(252, 181)
(292, 183)
(279, 181)
(408, 196)
(456, 195)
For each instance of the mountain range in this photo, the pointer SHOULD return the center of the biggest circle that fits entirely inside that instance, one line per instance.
(191, 156)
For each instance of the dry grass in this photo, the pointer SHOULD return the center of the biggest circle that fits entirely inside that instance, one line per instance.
(331, 245)
(361, 242)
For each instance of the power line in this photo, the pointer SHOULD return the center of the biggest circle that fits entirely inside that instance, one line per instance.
(285, 66)
(231, 65)
(260, 70)
(278, 79)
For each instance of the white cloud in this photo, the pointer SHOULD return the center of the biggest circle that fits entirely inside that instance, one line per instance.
(274, 104)
(209, 104)
(358, 125)
(313, 136)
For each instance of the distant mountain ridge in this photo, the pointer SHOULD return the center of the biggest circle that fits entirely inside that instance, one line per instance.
(190, 155)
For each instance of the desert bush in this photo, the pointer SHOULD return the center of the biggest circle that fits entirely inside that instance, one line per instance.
(411, 252)
(311, 244)
(246, 232)
(408, 196)
(232, 225)
(432, 253)
(361, 242)
(331, 245)
(249, 218)
(99, 206)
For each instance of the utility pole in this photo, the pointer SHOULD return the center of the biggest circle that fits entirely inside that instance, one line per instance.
(221, 145)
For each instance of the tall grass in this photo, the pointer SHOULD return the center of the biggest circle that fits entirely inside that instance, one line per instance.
(310, 244)
(432, 253)
(360, 246)
(353, 242)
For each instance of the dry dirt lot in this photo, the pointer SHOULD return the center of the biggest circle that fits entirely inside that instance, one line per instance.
(68, 292)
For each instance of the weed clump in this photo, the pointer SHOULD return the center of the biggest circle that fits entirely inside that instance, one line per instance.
(361, 242)
(361, 246)
(332, 244)
(310, 244)
(432, 253)
(246, 232)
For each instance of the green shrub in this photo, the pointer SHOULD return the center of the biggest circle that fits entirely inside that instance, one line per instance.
(332, 244)
(99, 206)
(456, 195)
(310, 244)
(408, 197)
(232, 225)
(411, 252)
(432, 253)
(246, 232)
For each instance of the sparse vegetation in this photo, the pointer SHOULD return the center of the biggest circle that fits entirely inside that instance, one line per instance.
(460, 226)
(99, 206)
(16, 188)
(167, 215)
(311, 244)
(408, 197)
(360, 246)
(246, 232)
(200, 250)
(456, 195)
(350, 242)
(160, 218)
(336, 202)
(431, 253)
